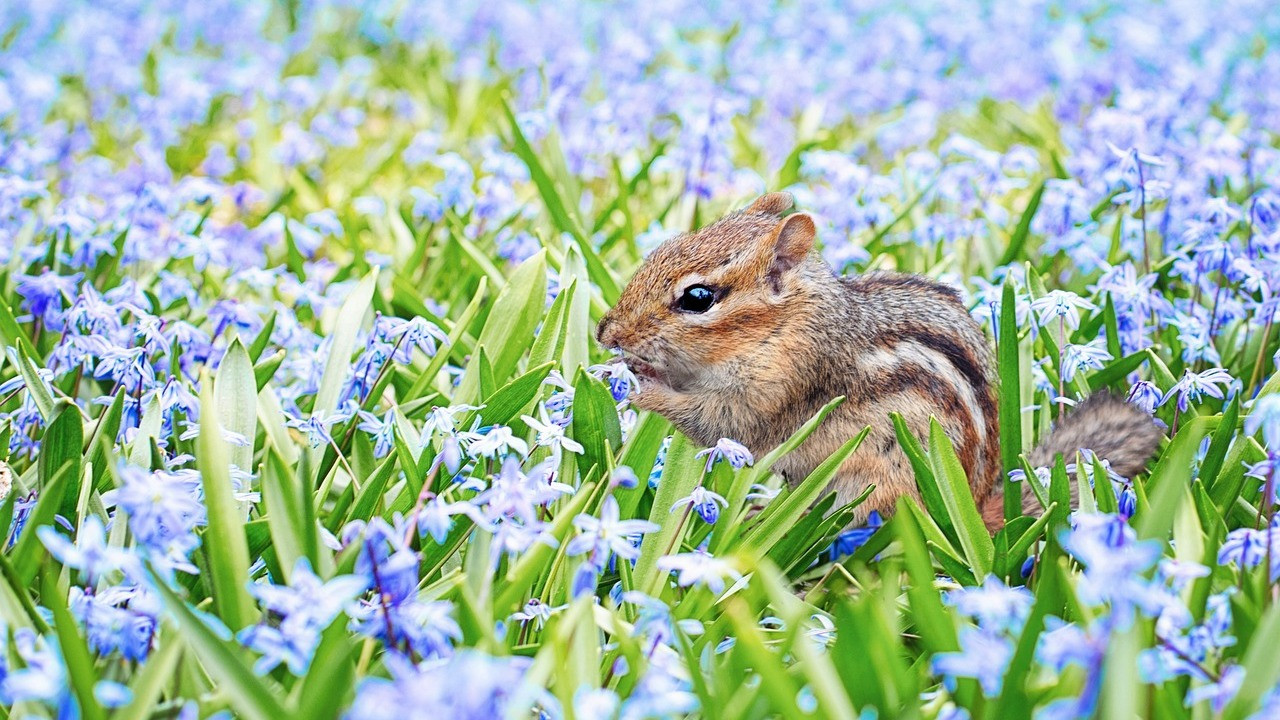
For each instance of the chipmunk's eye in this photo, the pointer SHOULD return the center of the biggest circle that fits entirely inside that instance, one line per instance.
(697, 299)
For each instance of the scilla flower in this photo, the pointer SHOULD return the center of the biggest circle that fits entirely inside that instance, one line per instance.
(705, 502)
(732, 451)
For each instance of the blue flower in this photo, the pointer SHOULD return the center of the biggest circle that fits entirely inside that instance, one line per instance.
(994, 605)
(850, 540)
(984, 655)
(705, 502)
(1194, 385)
(608, 533)
(733, 452)
(300, 611)
(1264, 417)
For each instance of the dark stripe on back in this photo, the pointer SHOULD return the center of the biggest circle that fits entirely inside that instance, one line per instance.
(955, 353)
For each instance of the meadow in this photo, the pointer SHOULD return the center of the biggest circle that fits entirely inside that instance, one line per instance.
(301, 414)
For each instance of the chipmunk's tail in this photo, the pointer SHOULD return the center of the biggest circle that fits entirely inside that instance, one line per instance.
(1118, 432)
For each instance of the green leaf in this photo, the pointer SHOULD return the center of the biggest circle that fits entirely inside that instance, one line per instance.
(508, 331)
(103, 439)
(36, 387)
(342, 345)
(28, 551)
(503, 407)
(225, 548)
(595, 421)
(926, 481)
(1019, 237)
(935, 627)
(958, 498)
(283, 500)
(1010, 398)
(760, 472)
(782, 513)
(263, 338)
(236, 393)
(61, 444)
(681, 473)
(549, 344)
(1261, 664)
(12, 334)
(1217, 452)
(556, 205)
(224, 661)
(330, 683)
(1168, 482)
(75, 652)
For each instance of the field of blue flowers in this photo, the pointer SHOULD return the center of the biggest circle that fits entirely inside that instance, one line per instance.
(301, 415)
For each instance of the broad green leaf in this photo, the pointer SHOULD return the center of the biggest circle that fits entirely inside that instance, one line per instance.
(509, 330)
(224, 545)
(61, 444)
(958, 498)
(1010, 401)
(1166, 488)
(236, 394)
(342, 345)
(681, 473)
(595, 421)
(223, 661)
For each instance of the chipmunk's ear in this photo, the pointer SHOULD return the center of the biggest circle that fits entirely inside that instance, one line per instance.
(774, 203)
(792, 242)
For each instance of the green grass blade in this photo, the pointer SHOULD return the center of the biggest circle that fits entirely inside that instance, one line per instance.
(225, 548)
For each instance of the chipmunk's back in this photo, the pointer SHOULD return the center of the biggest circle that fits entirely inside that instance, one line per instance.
(910, 346)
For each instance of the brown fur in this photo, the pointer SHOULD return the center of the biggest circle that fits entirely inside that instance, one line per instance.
(786, 335)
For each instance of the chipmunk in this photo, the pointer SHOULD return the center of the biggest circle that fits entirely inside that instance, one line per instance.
(741, 330)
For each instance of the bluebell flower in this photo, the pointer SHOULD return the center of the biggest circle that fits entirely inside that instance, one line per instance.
(45, 295)
(608, 534)
(984, 655)
(90, 553)
(1192, 386)
(1061, 305)
(1089, 356)
(537, 612)
(299, 612)
(1144, 394)
(731, 451)
(994, 605)
(163, 508)
(699, 568)
(43, 677)
(705, 502)
(383, 430)
(1264, 417)
(850, 540)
